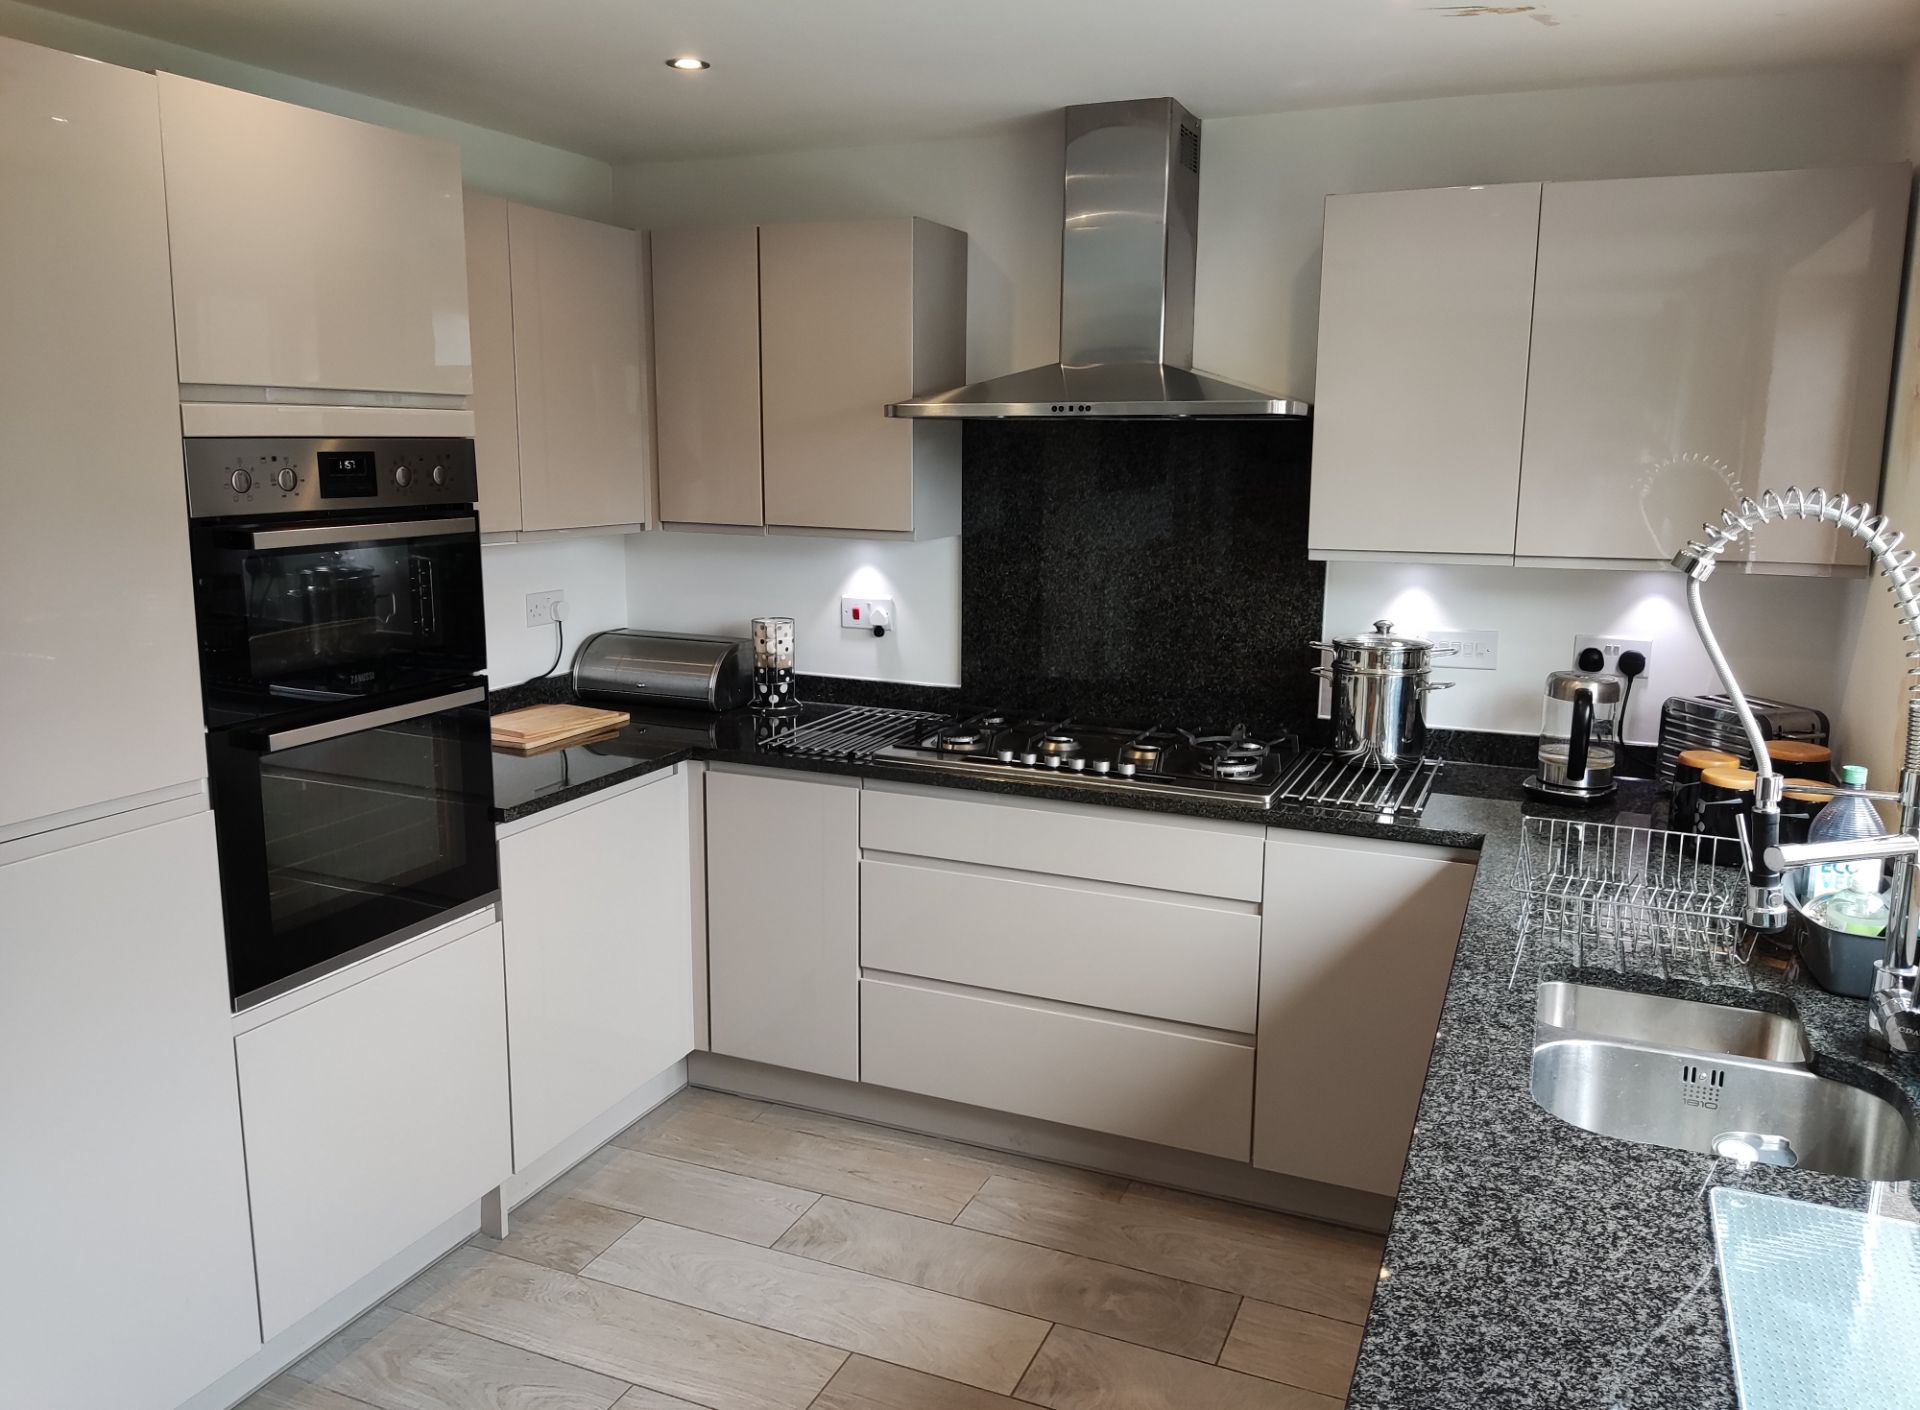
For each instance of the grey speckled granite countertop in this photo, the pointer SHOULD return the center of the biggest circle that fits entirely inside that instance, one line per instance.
(1534, 1264)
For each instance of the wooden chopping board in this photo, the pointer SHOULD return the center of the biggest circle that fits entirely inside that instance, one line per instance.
(540, 727)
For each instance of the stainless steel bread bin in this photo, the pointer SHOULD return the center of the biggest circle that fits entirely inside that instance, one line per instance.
(665, 668)
(1709, 722)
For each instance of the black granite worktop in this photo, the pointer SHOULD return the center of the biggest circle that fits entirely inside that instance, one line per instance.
(1534, 1264)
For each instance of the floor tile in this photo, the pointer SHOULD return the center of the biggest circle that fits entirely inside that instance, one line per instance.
(285, 1393)
(691, 1099)
(397, 1361)
(1053, 1286)
(1293, 1262)
(1014, 1167)
(913, 1182)
(559, 1231)
(640, 1398)
(1296, 1347)
(1076, 1370)
(863, 1384)
(909, 1326)
(694, 1196)
(664, 1346)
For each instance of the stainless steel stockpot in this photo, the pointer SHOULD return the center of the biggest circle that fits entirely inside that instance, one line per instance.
(1380, 687)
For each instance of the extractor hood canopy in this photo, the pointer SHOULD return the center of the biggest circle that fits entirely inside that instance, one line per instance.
(1126, 285)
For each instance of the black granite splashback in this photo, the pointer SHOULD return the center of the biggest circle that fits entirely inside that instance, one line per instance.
(1140, 571)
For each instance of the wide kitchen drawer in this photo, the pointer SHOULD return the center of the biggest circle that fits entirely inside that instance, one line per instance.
(1098, 1072)
(1110, 947)
(1098, 843)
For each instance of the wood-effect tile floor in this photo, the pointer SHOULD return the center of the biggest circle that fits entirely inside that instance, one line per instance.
(726, 1254)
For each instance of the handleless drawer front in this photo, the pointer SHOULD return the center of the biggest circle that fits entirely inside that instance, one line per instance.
(1109, 947)
(1100, 1073)
(1098, 843)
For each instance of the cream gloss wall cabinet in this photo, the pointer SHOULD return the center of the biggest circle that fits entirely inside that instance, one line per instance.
(562, 395)
(375, 1112)
(777, 350)
(311, 251)
(1581, 373)
(90, 442)
(129, 1268)
(596, 905)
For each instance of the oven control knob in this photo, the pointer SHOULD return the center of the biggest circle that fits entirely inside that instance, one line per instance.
(439, 477)
(242, 481)
(1029, 758)
(1125, 770)
(1053, 761)
(1100, 766)
(1005, 756)
(403, 475)
(286, 479)
(1079, 766)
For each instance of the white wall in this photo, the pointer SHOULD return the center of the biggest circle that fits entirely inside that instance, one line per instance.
(591, 570)
(492, 161)
(1257, 309)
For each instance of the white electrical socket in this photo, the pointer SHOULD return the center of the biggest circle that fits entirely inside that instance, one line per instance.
(1610, 647)
(865, 613)
(540, 607)
(1472, 651)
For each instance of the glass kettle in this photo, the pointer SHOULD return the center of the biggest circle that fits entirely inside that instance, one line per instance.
(1579, 737)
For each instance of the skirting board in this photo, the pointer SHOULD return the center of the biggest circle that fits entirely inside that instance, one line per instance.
(1044, 1140)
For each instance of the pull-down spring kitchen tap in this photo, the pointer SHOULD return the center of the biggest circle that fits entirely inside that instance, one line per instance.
(1894, 1011)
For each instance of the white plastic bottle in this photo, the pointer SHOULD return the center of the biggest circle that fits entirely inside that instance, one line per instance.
(1847, 817)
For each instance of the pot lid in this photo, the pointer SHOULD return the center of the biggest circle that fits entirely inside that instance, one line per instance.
(1565, 685)
(1383, 637)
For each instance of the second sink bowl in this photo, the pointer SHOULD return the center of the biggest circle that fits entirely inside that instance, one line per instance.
(1708, 1078)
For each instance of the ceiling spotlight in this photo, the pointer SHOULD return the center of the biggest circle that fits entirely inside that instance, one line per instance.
(686, 63)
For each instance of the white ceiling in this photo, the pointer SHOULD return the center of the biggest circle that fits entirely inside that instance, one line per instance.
(590, 76)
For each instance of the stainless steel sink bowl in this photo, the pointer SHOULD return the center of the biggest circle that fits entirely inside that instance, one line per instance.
(1706, 1078)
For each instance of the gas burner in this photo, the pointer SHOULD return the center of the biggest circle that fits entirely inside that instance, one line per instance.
(1147, 749)
(1232, 762)
(960, 739)
(1059, 742)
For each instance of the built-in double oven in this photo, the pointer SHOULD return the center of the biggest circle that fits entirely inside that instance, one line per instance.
(342, 646)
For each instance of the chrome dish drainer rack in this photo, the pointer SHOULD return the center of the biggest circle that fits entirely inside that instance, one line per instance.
(1636, 898)
(852, 732)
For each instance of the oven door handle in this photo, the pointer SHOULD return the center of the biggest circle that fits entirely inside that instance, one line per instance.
(273, 742)
(321, 535)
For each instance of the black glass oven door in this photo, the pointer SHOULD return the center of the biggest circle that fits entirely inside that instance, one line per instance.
(342, 837)
(295, 612)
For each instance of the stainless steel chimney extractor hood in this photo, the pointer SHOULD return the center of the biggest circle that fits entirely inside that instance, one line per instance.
(1126, 285)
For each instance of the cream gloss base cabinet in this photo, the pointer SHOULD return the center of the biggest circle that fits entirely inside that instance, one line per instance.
(562, 393)
(373, 1114)
(1357, 944)
(596, 905)
(777, 350)
(311, 251)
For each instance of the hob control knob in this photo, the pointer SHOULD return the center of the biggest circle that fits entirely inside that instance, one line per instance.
(1124, 770)
(1079, 766)
(1029, 758)
(439, 477)
(242, 481)
(1100, 766)
(1053, 761)
(1005, 756)
(286, 479)
(403, 475)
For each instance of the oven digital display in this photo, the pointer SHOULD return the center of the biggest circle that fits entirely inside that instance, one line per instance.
(347, 474)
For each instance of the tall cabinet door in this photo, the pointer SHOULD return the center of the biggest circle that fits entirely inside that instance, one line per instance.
(496, 416)
(706, 338)
(579, 362)
(311, 250)
(1696, 338)
(129, 1266)
(783, 920)
(93, 515)
(1426, 299)
(597, 906)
